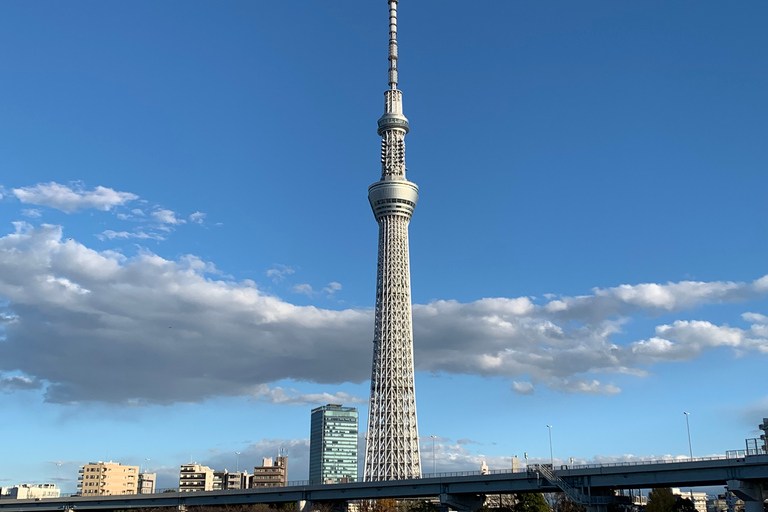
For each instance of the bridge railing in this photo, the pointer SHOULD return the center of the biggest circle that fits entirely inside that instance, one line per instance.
(731, 454)
(644, 462)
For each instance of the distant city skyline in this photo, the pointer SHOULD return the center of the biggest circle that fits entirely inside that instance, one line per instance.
(185, 239)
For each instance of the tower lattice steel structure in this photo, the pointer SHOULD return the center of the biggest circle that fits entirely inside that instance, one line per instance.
(392, 449)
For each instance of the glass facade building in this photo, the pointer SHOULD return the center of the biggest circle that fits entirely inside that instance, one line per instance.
(333, 445)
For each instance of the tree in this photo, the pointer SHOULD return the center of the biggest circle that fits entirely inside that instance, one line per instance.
(560, 502)
(531, 502)
(660, 499)
(684, 505)
(381, 505)
(416, 506)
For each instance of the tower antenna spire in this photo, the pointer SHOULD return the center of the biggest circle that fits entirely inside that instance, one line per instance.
(393, 44)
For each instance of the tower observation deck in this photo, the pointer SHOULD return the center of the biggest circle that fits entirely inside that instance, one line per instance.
(392, 447)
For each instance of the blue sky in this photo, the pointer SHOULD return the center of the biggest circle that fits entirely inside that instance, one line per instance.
(187, 256)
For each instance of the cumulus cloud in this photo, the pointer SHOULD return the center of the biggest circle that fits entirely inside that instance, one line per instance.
(332, 288)
(149, 329)
(32, 213)
(72, 199)
(522, 388)
(157, 329)
(755, 318)
(166, 217)
(197, 217)
(279, 271)
(303, 289)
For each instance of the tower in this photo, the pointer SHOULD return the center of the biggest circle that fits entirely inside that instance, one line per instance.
(392, 447)
(333, 445)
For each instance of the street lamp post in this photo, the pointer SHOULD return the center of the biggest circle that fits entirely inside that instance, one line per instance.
(688, 426)
(433, 455)
(237, 462)
(551, 458)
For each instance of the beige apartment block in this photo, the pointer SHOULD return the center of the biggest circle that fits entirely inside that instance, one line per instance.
(271, 474)
(195, 477)
(107, 479)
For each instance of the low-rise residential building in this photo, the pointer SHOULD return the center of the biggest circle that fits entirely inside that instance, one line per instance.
(271, 473)
(107, 479)
(226, 481)
(725, 503)
(147, 483)
(195, 477)
(699, 499)
(30, 492)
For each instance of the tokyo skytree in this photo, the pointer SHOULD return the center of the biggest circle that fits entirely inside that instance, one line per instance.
(392, 449)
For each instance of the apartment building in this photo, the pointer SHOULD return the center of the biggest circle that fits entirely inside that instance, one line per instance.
(30, 491)
(225, 481)
(271, 473)
(107, 479)
(195, 477)
(147, 483)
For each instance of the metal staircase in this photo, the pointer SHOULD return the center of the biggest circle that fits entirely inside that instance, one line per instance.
(576, 495)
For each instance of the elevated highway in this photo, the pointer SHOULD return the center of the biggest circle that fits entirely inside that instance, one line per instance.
(592, 485)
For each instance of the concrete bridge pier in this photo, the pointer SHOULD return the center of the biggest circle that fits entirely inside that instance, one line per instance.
(462, 502)
(303, 506)
(754, 493)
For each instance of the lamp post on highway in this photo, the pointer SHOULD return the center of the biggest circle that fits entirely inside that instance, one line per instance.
(433, 455)
(237, 463)
(551, 458)
(688, 426)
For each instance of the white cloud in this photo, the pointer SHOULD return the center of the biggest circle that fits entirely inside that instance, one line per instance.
(166, 217)
(33, 213)
(184, 333)
(687, 340)
(278, 272)
(522, 388)
(583, 386)
(141, 235)
(332, 288)
(138, 211)
(755, 317)
(70, 200)
(303, 289)
(197, 217)
(278, 395)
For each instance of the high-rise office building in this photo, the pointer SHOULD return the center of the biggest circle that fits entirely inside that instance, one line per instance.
(392, 441)
(333, 445)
